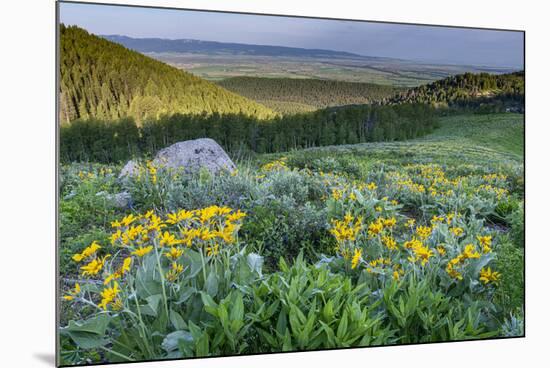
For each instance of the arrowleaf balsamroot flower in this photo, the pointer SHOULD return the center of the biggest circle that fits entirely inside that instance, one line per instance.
(87, 252)
(174, 253)
(487, 275)
(125, 267)
(108, 295)
(94, 266)
(168, 239)
(141, 251)
(356, 258)
(485, 242)
(389, 242)
(470, 252)
(456, 231)
(212, 250)
(73, 293)
(423, 231)
(346, 229)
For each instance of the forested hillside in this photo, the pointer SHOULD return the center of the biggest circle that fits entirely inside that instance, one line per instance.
(282, 94)
(470, 90)
(101, 79)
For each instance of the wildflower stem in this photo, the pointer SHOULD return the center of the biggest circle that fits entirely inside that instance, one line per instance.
(117, 354)
(142, 325)
(161, 280)
(203, 266)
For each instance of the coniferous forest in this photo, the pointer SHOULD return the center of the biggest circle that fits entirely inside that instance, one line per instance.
(103, 80)
(317, 93)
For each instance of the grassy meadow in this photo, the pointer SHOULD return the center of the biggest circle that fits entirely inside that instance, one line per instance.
(365, 244)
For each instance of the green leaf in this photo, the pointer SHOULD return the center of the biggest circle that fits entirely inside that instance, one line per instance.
(202, 345)
(343, 326)
(88, 334)
(172, 340)
(151, 308)
(237, 308)
(177, 320)
(211, 284)
(185, 294)
(255, 262)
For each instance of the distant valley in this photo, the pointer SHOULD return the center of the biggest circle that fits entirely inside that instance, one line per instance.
(219, 60)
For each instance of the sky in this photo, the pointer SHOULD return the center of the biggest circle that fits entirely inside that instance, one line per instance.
(420, 43)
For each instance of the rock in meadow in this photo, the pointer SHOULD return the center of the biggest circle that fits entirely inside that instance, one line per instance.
(131, 169)
(194, 155)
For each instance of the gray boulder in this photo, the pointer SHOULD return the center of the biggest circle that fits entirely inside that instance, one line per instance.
(188, 156)
(131, 169)
(191, 156)
(122, 200)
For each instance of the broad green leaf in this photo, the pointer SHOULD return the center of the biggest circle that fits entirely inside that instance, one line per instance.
(88, 334)
(255, 262)
(211, 285)
(177, 320)
(171, 341)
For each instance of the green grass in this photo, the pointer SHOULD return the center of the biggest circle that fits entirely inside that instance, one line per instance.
(501, 132)
(490, 140)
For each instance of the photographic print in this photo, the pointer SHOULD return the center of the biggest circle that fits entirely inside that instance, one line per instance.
(235, 184)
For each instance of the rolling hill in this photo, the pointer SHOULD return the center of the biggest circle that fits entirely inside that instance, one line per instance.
(158, 45)
(104, 80)
(290, 95)
(470, 89)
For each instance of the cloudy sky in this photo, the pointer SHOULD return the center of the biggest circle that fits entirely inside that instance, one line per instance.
(422, 43)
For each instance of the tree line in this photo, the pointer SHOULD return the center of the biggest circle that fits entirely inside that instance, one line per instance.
(113, 141)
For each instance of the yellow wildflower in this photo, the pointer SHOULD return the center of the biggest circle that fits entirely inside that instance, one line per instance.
(470, 252)
(390, 222)
(236, 216)
(174, 272)
(389, 242)
(168, 239)
(212, 250)
(73, 293)
(336, 194)
(87, 252)
(115, 236)
(126, 221)
(422, 253)
(141, 251)
(94, 266)
(108, 295)
(424, 231)
(485, 242)
(457, 231)
(451, 271)
(371, 186)
(356, 258)
(486, 276)
(413, 243)
(375, 228)
(174, 253)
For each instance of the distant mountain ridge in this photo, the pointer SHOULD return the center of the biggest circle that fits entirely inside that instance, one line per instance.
(159, 45)
(104, 80)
